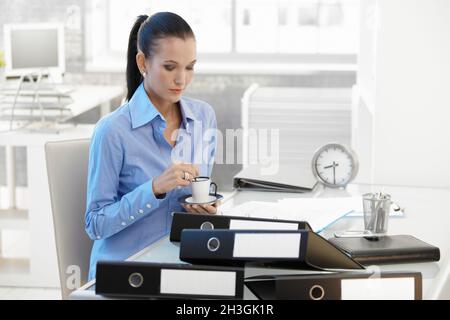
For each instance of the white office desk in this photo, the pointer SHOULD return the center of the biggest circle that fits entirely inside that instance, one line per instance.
(82, 98)
(426, 216)
(88, 97)
(33, 214)
(28, 207)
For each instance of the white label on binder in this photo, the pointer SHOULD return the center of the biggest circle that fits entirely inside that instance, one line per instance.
(266, 245)
(378, 289)
(198, 282)
(261, 225)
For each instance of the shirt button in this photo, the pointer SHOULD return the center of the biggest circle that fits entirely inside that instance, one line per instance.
(132, 217)
(148, 205)
(98, 237)
(124, 224)
(141, 211)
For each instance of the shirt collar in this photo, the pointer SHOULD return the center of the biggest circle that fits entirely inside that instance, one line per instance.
(186, 113)
(142, 110)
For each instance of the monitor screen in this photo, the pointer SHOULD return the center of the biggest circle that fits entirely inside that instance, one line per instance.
(34, 48)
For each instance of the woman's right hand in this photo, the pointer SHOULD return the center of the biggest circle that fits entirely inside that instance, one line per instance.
(173, 177)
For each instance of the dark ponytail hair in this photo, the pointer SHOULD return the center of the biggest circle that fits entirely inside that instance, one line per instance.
(143, 36)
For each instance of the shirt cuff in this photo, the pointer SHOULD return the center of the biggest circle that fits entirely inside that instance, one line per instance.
(143, 202)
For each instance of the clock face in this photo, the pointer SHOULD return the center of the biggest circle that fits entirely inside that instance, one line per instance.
(334, 165)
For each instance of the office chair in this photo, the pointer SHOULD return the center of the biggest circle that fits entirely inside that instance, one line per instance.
(67, 165)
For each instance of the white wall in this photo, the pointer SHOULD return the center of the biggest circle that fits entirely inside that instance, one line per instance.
(405, 78)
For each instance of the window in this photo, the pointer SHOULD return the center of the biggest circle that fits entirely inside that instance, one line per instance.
(264, 31)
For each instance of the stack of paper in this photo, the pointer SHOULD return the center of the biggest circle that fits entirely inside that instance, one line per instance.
(318, 212)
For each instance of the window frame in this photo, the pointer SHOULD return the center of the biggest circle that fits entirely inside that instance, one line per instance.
(229, 63)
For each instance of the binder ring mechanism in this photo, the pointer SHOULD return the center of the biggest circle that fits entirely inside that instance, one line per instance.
(213, 244)
(316, 292)
(135, 280)
(207, 226)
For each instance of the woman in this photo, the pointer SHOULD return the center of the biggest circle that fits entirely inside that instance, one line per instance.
(142, 155)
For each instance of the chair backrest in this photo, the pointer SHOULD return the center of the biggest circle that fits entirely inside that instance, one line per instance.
(67, 165)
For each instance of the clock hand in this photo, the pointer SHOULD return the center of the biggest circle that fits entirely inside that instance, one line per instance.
(334, 172)
(335, 164)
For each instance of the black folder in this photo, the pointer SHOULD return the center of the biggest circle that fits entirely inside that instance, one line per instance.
(288, 178)
(278, 248)
(387, 249)
(183, 220)
(338, 286)
(261, 185)
(168, 280)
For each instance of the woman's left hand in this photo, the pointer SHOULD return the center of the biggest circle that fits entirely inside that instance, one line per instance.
(202, 208)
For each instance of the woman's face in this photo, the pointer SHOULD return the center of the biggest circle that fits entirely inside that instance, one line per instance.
(170, 69)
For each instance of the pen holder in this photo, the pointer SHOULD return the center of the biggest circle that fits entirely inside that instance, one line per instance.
(376, 212)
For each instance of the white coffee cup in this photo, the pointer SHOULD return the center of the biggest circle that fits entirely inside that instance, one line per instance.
(201, 187)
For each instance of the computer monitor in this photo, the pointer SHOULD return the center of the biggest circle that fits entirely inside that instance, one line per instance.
(34, 48)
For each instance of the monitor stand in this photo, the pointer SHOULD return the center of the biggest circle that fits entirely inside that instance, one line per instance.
(55, 77)
(38, 118)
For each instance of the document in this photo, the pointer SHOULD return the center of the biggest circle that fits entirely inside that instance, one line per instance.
(320, 213)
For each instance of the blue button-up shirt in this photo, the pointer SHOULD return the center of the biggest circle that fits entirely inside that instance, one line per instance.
(128, 150)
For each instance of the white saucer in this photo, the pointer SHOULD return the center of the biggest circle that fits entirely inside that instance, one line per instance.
(188, 199)
(210, 199)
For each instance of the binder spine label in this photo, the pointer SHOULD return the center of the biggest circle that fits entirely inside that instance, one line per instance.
(266, 245)
(198, 282)
(261, 225)
(378, 289)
